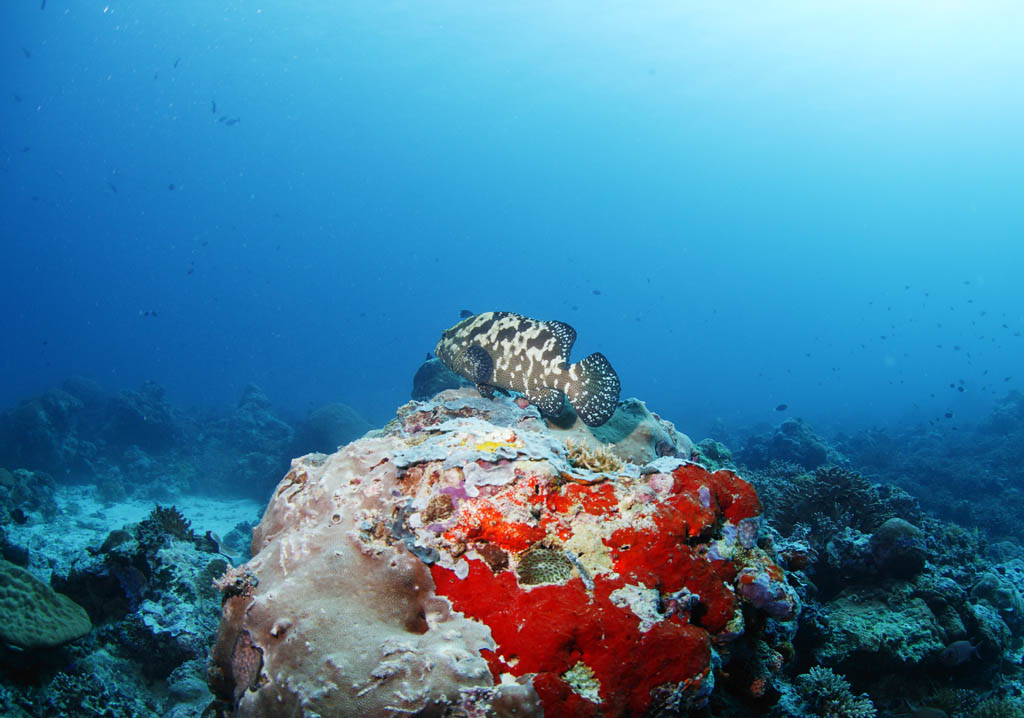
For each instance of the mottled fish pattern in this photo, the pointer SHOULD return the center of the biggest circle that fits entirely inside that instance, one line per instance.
(502, 350)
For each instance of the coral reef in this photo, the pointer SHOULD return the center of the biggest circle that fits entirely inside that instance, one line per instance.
(794, 441)
(429, 541)
(135, 444)
(457, 563)
(971, 476)
(150, 586)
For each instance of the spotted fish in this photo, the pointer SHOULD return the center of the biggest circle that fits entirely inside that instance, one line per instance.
(502, 350)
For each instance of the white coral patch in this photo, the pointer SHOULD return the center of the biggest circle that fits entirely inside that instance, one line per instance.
(642, 601)
(583, 681)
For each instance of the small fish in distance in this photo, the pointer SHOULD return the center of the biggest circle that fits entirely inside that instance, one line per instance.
(958, 652)
(782, 407)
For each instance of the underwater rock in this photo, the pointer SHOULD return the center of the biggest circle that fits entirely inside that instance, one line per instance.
(457, 563)
(999, 589)
(632, 433)
(434, 377)
(143, 418)
(40, 432)
(327, 428)
(15, 553)
(254, 426)
(792, 441)
(256, 443)
(898, 549)
(883, 628)
(27, 496)
(714, 455)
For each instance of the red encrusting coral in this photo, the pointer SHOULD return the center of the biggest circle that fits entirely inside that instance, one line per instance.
(596, 499)
(482, 521)
(736, 498)
(548, 629)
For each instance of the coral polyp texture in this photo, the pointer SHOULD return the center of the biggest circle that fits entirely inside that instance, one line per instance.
(459, 563)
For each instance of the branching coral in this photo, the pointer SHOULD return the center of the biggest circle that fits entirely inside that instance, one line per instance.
(171, 521)
(600, 460)
(830, 499)
(161, 524)
(828, 695)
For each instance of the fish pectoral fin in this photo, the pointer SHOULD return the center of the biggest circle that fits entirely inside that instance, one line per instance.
(548, 401)
(477, 364)
(486, 390)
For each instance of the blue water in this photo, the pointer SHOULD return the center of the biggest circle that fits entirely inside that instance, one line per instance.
(742, 206)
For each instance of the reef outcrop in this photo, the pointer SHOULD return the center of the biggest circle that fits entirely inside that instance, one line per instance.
(465, 561)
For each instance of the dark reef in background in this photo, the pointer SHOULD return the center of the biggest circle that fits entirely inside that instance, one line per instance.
(327, 428)
(793, 440)
(135, 443)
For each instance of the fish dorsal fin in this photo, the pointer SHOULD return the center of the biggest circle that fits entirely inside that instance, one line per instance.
(564, 335)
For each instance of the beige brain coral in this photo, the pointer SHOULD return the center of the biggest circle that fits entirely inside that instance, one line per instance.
(34, 615)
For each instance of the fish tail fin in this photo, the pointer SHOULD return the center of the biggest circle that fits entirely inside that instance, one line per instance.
(593, 389)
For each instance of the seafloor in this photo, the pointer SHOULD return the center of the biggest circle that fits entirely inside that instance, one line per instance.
(902, 548)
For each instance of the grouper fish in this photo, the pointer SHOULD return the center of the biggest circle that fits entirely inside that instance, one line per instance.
(502, 350)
